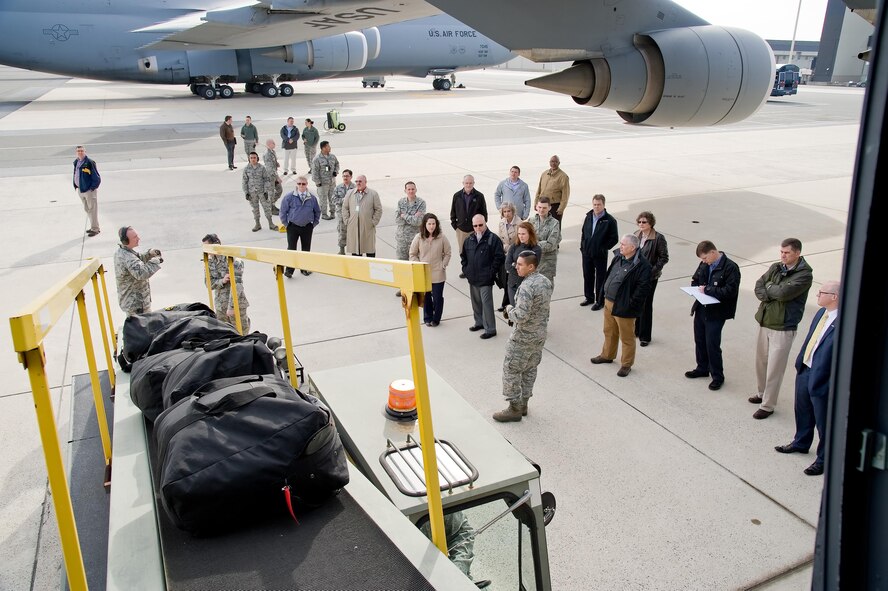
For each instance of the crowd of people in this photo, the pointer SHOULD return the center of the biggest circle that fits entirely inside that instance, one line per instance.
(521, 258)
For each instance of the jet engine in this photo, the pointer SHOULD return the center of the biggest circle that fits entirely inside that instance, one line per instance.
(691, 76)
(337, 53)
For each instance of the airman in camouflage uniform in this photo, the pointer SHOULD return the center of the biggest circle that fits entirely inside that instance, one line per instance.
(220, 281)
(408, 219)
(132, 271)
(258, 185)
(460, 536)
(524, 351)
(270, 161)
(337, 199)
(324, 170)
(548, 231)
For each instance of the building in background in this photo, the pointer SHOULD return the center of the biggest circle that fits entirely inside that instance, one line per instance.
(845, 35)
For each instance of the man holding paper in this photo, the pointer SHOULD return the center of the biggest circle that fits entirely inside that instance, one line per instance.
(717, 277)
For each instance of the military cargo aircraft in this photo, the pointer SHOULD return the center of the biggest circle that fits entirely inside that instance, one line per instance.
(652, 61)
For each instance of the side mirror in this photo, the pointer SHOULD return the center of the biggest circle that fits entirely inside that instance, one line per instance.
(548, 507)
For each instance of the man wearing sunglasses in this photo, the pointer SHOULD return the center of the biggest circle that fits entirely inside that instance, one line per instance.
(481, 258)
(300, 213)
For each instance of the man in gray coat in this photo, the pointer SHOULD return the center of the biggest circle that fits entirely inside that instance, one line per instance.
(361, 212)
(524, 351)
(324, 170)
(515, 191)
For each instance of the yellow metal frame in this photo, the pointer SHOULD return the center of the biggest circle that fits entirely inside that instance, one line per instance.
(29, 329)
(413, 279)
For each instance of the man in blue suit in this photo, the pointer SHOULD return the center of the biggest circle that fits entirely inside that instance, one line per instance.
(814, 365)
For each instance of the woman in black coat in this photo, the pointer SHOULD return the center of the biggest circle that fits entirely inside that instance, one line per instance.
(654, 248)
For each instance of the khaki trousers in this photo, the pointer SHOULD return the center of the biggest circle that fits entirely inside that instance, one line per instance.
(617, 329)
(91, 207)
(460, 239)
(771, 356)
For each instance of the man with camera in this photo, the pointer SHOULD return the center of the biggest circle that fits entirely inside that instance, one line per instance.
(132, 270)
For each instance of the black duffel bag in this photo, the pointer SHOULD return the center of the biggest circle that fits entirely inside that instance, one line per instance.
(146, 380)
(222, 358)
(197, 329)
(139, 330)
(240, 448)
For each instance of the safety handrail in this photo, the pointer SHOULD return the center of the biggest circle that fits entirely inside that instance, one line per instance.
(29, 329)
(412, 278)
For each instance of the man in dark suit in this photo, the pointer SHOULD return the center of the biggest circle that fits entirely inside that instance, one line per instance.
(598, 236)
(813, 365)
(719, 277)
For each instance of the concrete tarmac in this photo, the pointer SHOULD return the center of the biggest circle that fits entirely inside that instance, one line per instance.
(661, 483)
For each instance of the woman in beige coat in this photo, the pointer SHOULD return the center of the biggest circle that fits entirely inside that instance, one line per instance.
(432, 247)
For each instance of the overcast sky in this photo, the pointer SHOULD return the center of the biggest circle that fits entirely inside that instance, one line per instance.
(770, 19)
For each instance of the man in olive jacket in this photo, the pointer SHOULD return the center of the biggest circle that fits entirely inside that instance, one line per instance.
(627, 285)
(719, 277)
(782, 291)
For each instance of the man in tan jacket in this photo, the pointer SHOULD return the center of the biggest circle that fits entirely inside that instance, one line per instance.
(361, 212)
(555, 185)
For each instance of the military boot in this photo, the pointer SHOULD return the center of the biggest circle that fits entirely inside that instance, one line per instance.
(275, 210)
(511, 414)
(341, 250)
(257, 227)
(271, 224)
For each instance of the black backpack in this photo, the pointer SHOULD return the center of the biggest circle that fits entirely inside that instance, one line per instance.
(246, 447)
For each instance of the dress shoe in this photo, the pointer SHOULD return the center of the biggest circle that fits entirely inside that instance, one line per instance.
(306, 273)
(488, 335)
(434, 323)
(597, 306)
(762, 414)
(789, 448)
(462, 275)
(288, 274)
(475, 328)
(696, 373)
(814, 469)
(645, 343)
(715, 385)
(286, 173)
(600, 359)
(624, 371)
(501, 309)
(585, 302)
(755, 399)
(92, 233)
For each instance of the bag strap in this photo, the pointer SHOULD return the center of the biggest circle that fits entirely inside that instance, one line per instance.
(236, 399)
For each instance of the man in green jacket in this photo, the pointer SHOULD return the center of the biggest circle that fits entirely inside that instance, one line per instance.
(250, 135)
(782, 291)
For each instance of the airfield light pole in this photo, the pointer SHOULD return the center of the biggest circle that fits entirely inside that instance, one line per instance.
(795, 28)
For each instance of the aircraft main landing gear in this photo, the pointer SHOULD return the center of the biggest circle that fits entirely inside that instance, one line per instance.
(441, 84)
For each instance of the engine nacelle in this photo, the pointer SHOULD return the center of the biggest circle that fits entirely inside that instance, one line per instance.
(337, 53)
(692, 76)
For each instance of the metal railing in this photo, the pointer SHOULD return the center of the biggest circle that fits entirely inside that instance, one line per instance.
(29, 329)
(413, 279)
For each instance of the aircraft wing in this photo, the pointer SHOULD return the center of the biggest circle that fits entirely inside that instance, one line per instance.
(280, 22)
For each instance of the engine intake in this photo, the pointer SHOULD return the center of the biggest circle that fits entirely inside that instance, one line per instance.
(691, 76)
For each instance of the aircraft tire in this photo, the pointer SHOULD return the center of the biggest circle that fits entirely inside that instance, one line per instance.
(286, 90)
(341, 127)
(436, 84)
(269, 90)
(250, 87)
(193, 88)
(445, 85)
(226, 91)
(382, 85)
(207, 92)
(364, 84)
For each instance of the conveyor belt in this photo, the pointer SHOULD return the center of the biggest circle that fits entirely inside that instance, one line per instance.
(335, 547)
